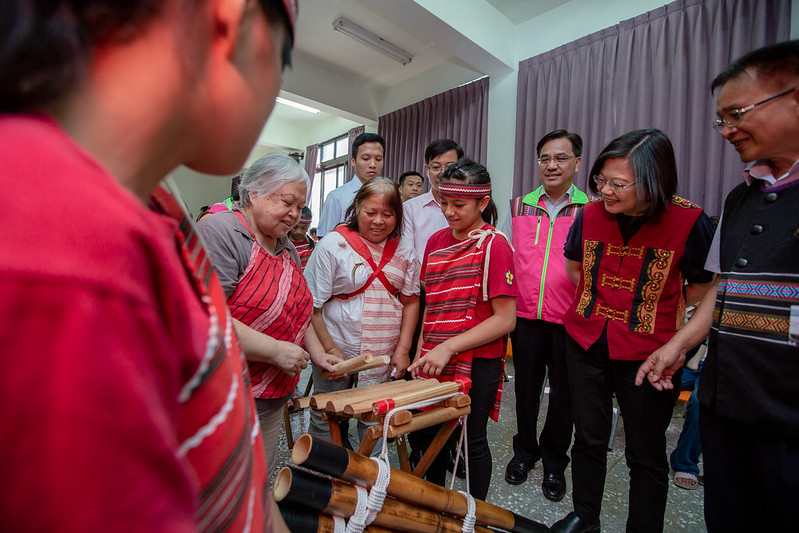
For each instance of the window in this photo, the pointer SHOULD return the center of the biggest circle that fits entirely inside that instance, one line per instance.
(332, 165)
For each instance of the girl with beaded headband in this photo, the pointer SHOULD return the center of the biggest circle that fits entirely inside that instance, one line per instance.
(471, 308)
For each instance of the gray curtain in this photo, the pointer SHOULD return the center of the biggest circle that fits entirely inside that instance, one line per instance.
(351, 134)
(460, 114)
(650, 71)
(311, 153)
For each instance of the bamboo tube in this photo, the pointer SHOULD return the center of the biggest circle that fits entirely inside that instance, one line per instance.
(299, 521)
(384, 406)
(333, 460)
(324, 495)
(302, 403)
(461, 400)
(420, 420)
(344, 367)
(318, 401)
(369, 395)
(376, 363)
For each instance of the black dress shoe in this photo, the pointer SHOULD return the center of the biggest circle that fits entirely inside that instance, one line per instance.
(554, 487)
(516, 471)
(571, 523)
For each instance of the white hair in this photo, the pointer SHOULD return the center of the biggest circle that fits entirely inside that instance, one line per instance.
(268, 174)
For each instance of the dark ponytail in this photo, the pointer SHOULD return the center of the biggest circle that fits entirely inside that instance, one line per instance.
(470, 172)
(45, 45)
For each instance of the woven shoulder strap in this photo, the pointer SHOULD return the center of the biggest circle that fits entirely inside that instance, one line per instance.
(354, 240)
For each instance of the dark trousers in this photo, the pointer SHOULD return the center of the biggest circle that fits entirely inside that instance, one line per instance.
(538, 345)
(751, 477)
(593, 379)
(486, 376)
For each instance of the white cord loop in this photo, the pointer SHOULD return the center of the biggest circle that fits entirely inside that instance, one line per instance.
(471, 509)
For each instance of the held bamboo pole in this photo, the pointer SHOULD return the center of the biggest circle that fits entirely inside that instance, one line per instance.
(333, 460)
(324, 495)
(345, 367)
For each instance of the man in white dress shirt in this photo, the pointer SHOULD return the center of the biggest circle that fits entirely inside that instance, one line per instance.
(368, 150)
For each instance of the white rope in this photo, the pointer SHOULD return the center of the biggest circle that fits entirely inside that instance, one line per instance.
(370, 503)
(469, 519)
(339, 525)
(463, 444)
(357, 521)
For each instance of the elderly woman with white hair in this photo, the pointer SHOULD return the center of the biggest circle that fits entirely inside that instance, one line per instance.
(262, 278)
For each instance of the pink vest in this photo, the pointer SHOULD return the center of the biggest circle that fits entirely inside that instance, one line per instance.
(636, 289)
(545, 290)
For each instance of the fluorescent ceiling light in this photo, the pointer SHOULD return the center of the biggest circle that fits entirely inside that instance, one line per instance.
(371, 40)
(307, 108)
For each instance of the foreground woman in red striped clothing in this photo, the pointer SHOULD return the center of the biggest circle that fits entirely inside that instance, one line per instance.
(471, 308)
(262, 278)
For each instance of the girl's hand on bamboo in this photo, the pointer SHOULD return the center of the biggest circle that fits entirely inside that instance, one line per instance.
(433, 362)
(334, 356)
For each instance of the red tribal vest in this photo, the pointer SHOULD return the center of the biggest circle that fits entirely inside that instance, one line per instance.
(273, 298)
(635, 289)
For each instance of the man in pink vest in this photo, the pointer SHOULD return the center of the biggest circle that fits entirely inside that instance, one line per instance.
(538, 225)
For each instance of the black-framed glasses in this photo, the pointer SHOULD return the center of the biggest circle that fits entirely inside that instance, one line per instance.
(435, 168)
(559, 159)
(733, 118)
(601, 182)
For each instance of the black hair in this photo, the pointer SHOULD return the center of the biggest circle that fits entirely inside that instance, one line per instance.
(576, 140)
(651, 157)
(406, 174)
(45, 46)
(383, 187)
(470, 172)
(367, 138)
(441, 146)
(306, 212)
(771, 63)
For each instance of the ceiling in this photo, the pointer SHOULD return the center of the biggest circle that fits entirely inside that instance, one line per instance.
(345, 78)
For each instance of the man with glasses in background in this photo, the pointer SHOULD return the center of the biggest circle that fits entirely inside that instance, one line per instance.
(538, 225)
(748, 394)
(422, 215)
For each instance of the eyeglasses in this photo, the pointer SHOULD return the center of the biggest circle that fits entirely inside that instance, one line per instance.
(733, 118)
(435, 168)
(601, 182)
(559, 159)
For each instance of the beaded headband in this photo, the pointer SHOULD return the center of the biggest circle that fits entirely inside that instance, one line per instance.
(459, 190)
(291, 8)
(305, 220)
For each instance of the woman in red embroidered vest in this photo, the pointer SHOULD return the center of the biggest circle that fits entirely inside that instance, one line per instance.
(262, 279)
(298, 235)
(471, 308)
(631, 255)
(365, 284)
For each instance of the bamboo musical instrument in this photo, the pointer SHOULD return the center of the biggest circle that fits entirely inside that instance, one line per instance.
(368, 395)
(320, 401)
(333, 460)
(330, 496)
(384, 406)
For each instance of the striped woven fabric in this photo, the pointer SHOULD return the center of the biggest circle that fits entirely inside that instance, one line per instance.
(218, 430)
(304, 250)
(272, 297)
(453, 278)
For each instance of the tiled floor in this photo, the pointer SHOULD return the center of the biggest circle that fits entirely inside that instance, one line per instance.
(683, 510)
